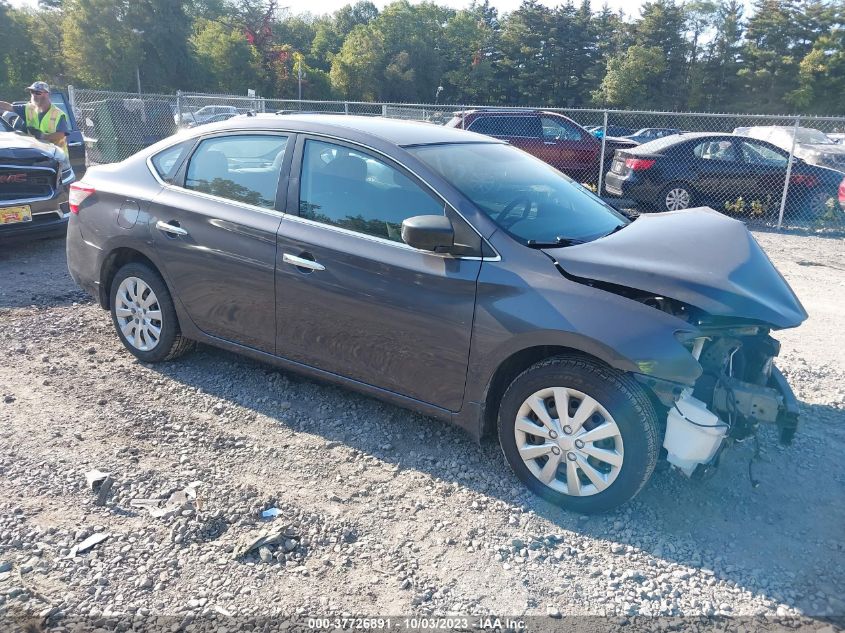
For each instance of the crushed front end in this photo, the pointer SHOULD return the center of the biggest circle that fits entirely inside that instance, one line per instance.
(740, 387)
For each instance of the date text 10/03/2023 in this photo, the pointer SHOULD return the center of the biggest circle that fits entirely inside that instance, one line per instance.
(416, 623)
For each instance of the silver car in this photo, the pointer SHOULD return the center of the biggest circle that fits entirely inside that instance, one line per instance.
(811, 145)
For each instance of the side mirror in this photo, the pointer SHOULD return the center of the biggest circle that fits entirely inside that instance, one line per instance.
(14, 121)
(429, 233)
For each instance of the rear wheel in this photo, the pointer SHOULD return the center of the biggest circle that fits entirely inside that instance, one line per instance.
(578, 433)
(144, 316)
(675, 197)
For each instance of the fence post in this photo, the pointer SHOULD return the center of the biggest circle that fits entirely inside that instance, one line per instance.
(179, 108)
(788, 172)
(384, 110)
(346, 107)
(601, 157)
(71, 97)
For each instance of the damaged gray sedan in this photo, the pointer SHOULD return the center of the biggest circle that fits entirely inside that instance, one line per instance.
(452, 274)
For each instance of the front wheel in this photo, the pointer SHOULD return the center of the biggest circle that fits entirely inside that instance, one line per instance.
(579, 433)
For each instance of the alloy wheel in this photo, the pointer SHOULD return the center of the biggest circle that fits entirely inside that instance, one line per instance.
(677, 198)
(569, 441)
(138, 314)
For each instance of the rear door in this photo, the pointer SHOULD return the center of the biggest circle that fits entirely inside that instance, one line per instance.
(721, 176)
(215, 232)
(355, 300)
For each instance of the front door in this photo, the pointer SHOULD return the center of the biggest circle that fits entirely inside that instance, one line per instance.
(355, 300)
(215, 232)
(573, 154)
(720, 176)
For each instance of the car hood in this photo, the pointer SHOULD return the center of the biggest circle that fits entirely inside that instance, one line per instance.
(697, 256)
(14, 146)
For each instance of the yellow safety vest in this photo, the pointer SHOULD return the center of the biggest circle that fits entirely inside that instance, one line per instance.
(48, 124)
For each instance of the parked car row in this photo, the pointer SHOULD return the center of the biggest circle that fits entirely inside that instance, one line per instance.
(550, 136)
(667, 169)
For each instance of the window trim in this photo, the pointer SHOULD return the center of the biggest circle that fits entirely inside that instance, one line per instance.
(294, 193)
(738, 160)
(192, 145)
(284, 173)
(767, 145)
(565, 124)
(295, 142)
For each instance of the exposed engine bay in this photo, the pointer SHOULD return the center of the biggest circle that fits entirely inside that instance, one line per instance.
(739, 389)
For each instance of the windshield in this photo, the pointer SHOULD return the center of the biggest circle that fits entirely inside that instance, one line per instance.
(811, 136)
(527, 198)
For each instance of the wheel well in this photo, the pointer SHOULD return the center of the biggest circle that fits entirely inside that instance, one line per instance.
(114, 262)
(509, 369)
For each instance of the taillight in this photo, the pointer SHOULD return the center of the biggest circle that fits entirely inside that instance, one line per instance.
(78, 193)
(804, 179)
(842, 193)
(639, 164)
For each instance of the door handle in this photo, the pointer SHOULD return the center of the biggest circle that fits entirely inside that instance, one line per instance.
(169, 228)
(301, 262)
(75, 144)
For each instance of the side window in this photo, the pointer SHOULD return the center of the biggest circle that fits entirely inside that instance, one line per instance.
(351, 189)
(526, 126)
(490, 125)
(243, 168)
(556, 129)
(716, 150)
(759, 154)
(166, 163)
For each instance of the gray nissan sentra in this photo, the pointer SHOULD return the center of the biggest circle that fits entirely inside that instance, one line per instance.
(449, 273)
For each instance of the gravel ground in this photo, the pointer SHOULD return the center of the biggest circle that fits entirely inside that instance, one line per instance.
(381, 511)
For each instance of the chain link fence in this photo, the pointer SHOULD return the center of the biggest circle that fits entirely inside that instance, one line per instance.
(769, 171)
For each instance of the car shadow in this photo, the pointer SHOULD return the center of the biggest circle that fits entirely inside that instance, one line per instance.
(780, 540)
(34, 273)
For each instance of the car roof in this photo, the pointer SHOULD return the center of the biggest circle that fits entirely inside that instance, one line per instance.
(676, 139)
(395, 131)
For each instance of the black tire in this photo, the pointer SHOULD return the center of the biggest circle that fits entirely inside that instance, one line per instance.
(171, 344)
(660, 203)
(620, 395)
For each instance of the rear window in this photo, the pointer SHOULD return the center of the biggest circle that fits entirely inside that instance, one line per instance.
(166, 163)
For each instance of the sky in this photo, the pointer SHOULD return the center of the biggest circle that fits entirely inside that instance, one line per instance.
(630, 7)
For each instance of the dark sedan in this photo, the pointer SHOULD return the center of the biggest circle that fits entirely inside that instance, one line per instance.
(730, 173)
(450, 273)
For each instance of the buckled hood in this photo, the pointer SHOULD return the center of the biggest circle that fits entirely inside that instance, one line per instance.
(698, 256)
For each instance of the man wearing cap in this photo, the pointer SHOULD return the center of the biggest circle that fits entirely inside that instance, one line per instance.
(43, 120)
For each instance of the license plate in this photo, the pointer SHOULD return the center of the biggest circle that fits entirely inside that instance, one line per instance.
(13, 215)
(617, 167)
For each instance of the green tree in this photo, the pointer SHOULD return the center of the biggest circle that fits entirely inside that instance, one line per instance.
(634, 79)
(168, 63)
(357, 69)
(227, 61)
(99, 44)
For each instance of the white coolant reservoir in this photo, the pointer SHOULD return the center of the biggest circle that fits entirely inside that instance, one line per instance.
(693, 433)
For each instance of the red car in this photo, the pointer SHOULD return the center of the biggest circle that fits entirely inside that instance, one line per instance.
(550, 136)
